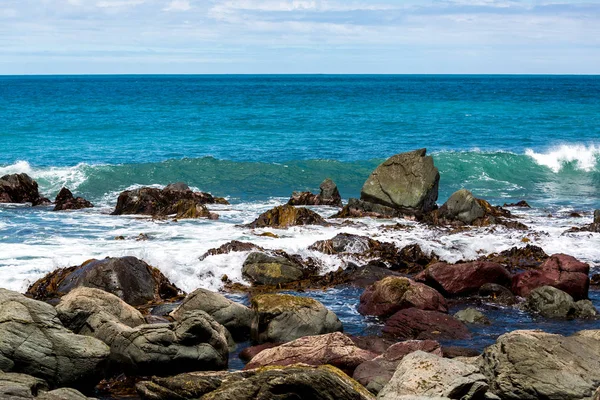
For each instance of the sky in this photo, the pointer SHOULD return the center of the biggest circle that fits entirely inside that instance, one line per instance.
(299, 36)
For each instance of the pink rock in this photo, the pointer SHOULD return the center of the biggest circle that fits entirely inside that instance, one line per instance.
(249, 352)
(413, 323)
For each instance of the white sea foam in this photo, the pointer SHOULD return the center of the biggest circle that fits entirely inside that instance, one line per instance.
(51, 179)
(585, 157)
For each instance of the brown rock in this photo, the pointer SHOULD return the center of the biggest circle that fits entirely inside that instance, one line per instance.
(286, 216)
(233, 246)
(20, 188)
(526, 257)
(413, 323)
(65, 201)
(329, 196)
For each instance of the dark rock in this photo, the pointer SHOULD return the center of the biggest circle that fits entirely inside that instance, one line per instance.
(521, 203)
(250, 352)
(374, 344)
(456, 351)
(472, 316)
(497, 293)
(551, 302)
(286, 216)
(129, 278)
(329, 196)
(264, 269)
(595, 279)
(232, 246)
(65, 201)
(20, 188)
(163, 310)
(359, 209)
(365, 275)
(413, 323)
(462, 206)
(412, 259)
(597, 217)
(519, 257)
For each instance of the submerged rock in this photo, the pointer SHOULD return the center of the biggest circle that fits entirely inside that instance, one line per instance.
(20, 188)
(232, 246)
(527, 257)
(521, 203)
(264, 269)
(66, 201)
(413, 323)
(551, 302)
(497, 294)
(472, 316)
(286, 216)
(329, 196)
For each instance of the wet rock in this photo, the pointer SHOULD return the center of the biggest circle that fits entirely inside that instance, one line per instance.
(560, 271)
(497, 293)
(286, 216)
(264, 269)
(472, 316)
(412, 259)
(597, 217)
(359, 209)
(521, 203)
(374, 344)
(376, 373)
(392, 294)
(457, 351)
(195, 341)
(233, 246)
(413, 323)
(551, 302)
(462, 206)
(406, 181)
(531, 365)
(20, 188)
(427, 374)
(329, 196)
(33, 341)
(66, 201)
(236, 317)
(128, 278)
(283, 318)
(519, 257)
(593, 227)
(463, 278)
(363, 276)
(333, 348)
(250, 352)
(289, 382)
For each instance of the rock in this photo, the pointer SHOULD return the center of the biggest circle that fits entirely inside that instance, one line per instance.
(531, 365)
(20, 188)
(519, 257)
(551, 302)
(462, 206)
(359, 208)
(263, 269)
(427, 374)
(289, 382)
(463, 278)
(374, 344)
(286, 216)
(457, 351)
(128, 278)
(472, 316)
(62, 394)
(497, 293)
(65, 201)
(412, 259)
(250, 352)
(406, 181)
(283, 318)
(329, 196)
(232, 246)
(195, 341)
(392, 294)
(376, 373)
(597, 217)
(413, 323)
(33, 341)
(236, 317)
(363, 276)
(15, 386)
(560, 271)
(521, 203)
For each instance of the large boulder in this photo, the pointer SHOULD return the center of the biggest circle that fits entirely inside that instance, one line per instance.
(283, 318)
(285, 216)
(33, 341)
(427, 374)
(26, 387)
(66, 201)
(462, 206)
(463, 278)
(376, 373)
(263, 269)
(551, 302)
(129, 278)
(335, 349)
(413, 323)
(329, 196)
(290, 382)
(393, 293)
(20, 188)
(532, 365)
(562, 271)
(406, 181)
(236, 317)
(194, 342)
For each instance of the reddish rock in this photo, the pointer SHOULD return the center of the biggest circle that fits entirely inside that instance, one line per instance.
(464, 278)
(413, 323)
(66, 201)
(249, 352)
(392, 294)
(374, 344)
(561, 271)
(335, 349)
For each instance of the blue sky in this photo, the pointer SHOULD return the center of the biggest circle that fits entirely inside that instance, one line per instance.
(299, 36)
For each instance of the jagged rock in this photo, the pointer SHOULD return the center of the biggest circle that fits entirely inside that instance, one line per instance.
(462, 206)
(363, 276)
(413, 323)
(376, 373)
(463, 278)
(392, 294)
(406, 181)
(359, 208)
(519, 257)
(290, 382)
(195, 341)
(66, 201)
(521, 203)
(596, 216)
(532, 365)
(236, 317)
(128, 278)
(286, 216)
(282, 318)
(551, 302)
(412, 259)
(472, 316)
(15, 386)
(264, 269)
(457, 351)
(329, 196)
(33, 341)
(497, 293)
(232, 246)
(560, 271)
(426, 374)
(20, 188)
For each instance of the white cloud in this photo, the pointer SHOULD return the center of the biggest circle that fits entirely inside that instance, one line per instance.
(178, 5)
(119, 3)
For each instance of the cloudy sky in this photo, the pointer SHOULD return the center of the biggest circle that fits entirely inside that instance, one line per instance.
(299, 36)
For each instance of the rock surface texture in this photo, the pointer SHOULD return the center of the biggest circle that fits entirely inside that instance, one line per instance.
(413, 323)
(264, 269)
(285, 216)
(551, 302)
(328, 196)
(20, 188)
(66, 201)
(462, 206)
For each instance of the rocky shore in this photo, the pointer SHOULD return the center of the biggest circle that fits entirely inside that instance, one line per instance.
(118, 328)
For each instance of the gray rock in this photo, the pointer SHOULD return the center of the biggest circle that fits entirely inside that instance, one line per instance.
(263, 269)
(283, 318)
(472, 316)
(62, 394)
(236, 317)
(425, 374)
(33, 341)
(194, 342)
(585, 309)
(330, 193)
(15, 386)
(532, 365)
(551, 302)
(463, 206)
(404, 181)
(596, 394)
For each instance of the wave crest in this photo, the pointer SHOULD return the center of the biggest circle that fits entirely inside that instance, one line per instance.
(582, 157)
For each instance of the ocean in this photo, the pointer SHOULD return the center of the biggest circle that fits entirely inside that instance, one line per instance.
(255, 139)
